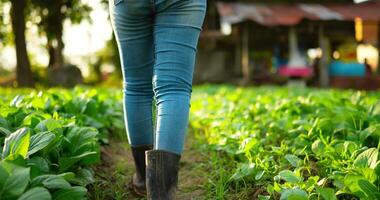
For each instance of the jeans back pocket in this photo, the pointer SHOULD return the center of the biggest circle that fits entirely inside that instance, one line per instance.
(116, 2)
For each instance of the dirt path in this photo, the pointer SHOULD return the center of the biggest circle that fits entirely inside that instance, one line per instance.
(116, 169)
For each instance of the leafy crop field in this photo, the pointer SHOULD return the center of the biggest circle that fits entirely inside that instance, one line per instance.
(280, 143)
(51, 139)
(259, 143)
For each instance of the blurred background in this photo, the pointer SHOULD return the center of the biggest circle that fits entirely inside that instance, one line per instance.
(319, 43)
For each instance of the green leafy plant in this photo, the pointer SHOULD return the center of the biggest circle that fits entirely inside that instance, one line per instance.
(293, 143)
(49, 142)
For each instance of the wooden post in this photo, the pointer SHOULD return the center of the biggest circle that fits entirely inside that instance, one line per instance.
(245, 55)
(323, 63)
(238, 48)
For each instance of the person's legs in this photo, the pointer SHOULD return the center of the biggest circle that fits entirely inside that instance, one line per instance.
(176, 31)
(133, 27)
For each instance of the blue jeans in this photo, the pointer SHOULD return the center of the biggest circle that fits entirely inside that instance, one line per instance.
(157, 42)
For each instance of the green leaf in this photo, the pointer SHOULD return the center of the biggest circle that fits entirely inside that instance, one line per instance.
(368, 174)
(91, 107)
(84, 177)
(40, 141)
(4, 123)
(243, 170)
(38, 103)
(17, 143)
(80, 138)
(363, 135)
(37, 193)
(68, 176)
(352, 182)
(51, 181)
(311, 182)
(3, 176)
(33, 119)
(16, 183)
(293, 160)
(48, 125)
(293, 194)
(261, 197)
(5, 131)
(277, 187)
(38, 166)
(326, 193)
(16, 101)
(73, 193)
(67, 162)
(368, 158)
(369, 189)
(318, 147)
(259, 174)
(289, 176)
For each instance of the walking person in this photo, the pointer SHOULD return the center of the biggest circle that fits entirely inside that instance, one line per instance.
(157, 42)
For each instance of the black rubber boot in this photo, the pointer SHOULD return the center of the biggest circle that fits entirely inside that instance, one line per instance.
(161, 174)
(138, 183)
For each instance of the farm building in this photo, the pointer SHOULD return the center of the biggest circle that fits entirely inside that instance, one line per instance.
(332, 43)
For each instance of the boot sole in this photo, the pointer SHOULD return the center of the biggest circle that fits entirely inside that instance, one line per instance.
(138, 192)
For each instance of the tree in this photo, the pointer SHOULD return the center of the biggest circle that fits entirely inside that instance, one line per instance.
(3, 26)
(53, 14)
(24, 74)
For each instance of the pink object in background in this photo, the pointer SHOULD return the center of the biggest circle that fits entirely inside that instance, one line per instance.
(303, 72)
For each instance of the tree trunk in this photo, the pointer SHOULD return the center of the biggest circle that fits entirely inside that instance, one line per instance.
(55, 49)
(55, 42)
(24, 74)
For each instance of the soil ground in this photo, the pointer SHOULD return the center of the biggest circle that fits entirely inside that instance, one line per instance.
(115, 171)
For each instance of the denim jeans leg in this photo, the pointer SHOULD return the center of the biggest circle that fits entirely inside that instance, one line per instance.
(133, 27)
(176, 31)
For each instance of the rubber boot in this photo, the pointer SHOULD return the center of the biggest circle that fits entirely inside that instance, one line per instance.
(138, 183)
(161, 174)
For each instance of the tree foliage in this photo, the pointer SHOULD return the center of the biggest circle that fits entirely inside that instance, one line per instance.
(50, 20)
(4, 24)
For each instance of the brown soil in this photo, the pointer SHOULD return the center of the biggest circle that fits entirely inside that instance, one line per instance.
(116, 169)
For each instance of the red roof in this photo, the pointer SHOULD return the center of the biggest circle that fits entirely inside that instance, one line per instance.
(287, 14)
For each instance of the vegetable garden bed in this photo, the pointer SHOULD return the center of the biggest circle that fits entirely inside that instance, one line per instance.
(260, 143)
(51, 139)
(288, 143)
